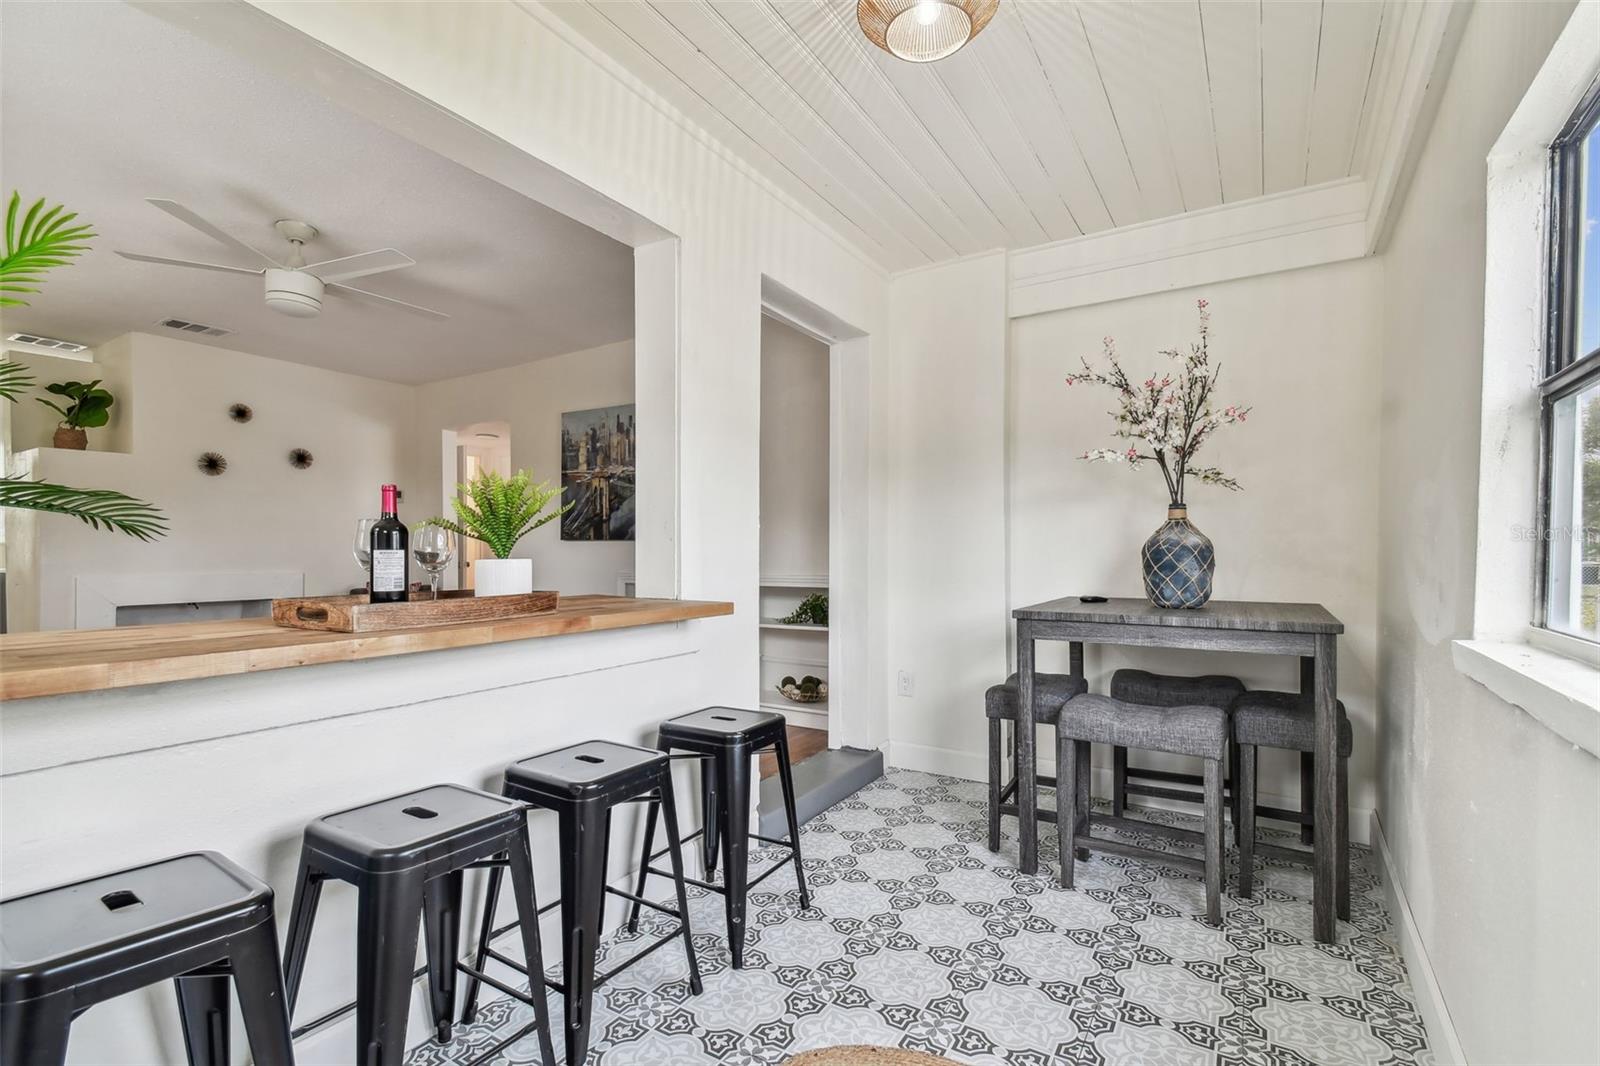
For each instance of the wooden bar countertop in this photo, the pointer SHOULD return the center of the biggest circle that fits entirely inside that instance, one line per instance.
(88, 660)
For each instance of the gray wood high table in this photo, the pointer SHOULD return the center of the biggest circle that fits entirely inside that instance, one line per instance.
(1306, 630)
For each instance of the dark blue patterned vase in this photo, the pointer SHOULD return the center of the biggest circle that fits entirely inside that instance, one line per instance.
(1178, 563)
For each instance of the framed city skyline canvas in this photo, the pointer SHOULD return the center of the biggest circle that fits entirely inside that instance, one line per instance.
(597, 469)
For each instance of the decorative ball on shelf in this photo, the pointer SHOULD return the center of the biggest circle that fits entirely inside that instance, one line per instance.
(212, 464)
(241, 412)
(299, 458)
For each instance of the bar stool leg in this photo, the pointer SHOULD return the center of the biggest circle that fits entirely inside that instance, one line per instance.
(1342, 826)
(675, 850)
(491, 901)
(520, 861)
(733, 816)
(1084, 798)
(1247, 819)
(307, 891)
(256, 968)
(1213, 789)
(441, 921)
(1308, 795)
(786, 778)
(1119, 780)
(35, 1032)
(709, 818)
(1231, 784)
(1066, 804)
(651, 810)
(995, 784)
(388, 915)
(204, 1013)
(583, 877)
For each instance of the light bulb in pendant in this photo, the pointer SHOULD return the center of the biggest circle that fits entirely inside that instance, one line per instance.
(927, 12)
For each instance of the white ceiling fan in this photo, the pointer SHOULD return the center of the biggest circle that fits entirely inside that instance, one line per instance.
(293, 286)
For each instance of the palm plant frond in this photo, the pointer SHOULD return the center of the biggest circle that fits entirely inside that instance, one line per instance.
(43, 239)
(15, 379)
(99, 508)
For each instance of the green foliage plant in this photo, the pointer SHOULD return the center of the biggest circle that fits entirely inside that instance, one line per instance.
(501, 511)
(88, 405)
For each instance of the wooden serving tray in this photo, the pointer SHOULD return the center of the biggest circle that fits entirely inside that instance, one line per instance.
(353, 614)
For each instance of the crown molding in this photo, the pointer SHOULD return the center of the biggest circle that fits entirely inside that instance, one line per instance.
(1285, 231)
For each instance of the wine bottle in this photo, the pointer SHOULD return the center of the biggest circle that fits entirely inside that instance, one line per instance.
(390, 570)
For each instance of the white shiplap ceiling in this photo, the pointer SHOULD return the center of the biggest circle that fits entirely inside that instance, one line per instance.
(1063, 118)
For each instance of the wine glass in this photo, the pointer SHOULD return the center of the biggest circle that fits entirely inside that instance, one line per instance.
(361, 547)
(433, 547)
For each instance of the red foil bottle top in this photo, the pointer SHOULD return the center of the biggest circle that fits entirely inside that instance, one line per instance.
(389, 494)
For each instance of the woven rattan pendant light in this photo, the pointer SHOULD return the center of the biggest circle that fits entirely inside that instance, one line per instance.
(921, 31)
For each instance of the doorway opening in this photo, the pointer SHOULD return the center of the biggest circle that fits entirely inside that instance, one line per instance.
(481, 447)
(794, 535)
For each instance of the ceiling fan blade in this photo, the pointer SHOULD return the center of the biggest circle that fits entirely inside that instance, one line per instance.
(183, 214)
(359, 266)
(191, 263)
(341, 289)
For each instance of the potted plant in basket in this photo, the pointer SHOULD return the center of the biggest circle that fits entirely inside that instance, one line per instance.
(88, 407)
(1166, 419)
(499, 512)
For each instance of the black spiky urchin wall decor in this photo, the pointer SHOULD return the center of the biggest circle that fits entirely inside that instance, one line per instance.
(299, 458)
(241, 412)
(212, 464)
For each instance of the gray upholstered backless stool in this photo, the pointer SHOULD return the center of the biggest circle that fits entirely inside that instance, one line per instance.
(1285, 720)
(196, 920)
(1050, 691)
(1198, 731)
(1167, 690)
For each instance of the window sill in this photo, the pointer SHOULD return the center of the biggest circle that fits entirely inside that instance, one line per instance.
(1561, 692)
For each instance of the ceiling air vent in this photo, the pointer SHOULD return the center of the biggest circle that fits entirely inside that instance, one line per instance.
(33, 344)
(183, 326)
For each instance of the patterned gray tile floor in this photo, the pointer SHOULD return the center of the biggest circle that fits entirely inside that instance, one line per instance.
(919, 936)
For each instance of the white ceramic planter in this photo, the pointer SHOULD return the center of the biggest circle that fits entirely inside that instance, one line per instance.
(502, 577)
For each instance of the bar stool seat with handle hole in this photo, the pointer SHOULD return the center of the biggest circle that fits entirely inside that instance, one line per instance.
(1197, 731)
(407, 856)
(582, 783)
(1000, 704)
(1285, 720)
(1170, 690)
(197, 920)
(723, 739)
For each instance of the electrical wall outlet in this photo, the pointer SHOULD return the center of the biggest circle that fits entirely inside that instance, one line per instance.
(906, 684)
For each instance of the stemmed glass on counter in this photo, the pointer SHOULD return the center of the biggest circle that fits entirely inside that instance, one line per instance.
(433, 547)
(361, 547)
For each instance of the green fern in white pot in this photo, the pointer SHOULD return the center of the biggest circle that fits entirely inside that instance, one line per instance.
(499, 512)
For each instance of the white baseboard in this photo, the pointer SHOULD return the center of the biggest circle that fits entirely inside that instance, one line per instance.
(1424, 983)
(975, 767)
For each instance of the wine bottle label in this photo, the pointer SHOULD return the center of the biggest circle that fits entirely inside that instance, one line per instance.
(388, 570)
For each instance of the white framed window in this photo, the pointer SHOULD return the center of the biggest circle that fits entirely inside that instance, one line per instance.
(1568, 600)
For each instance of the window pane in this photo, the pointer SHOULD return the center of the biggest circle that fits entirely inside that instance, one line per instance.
(1588, 237)
(1573, 590)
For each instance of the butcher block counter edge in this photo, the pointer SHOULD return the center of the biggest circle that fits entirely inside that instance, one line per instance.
(89, 660)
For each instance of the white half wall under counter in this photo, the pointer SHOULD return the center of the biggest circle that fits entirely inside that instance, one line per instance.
(289, 725)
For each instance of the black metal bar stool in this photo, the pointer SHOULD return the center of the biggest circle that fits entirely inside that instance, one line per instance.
(1168, 690)
(1198, 731)
(724, 739)
(407, 856)
(582, 784)
(1286, 720)
(1000, 703)
(197, 920)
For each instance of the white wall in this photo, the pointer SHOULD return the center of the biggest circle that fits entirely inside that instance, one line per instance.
(794, 452)
(261, 514)
(1489, 815)
(1302, 348)
(948, 614)
(531, 398)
